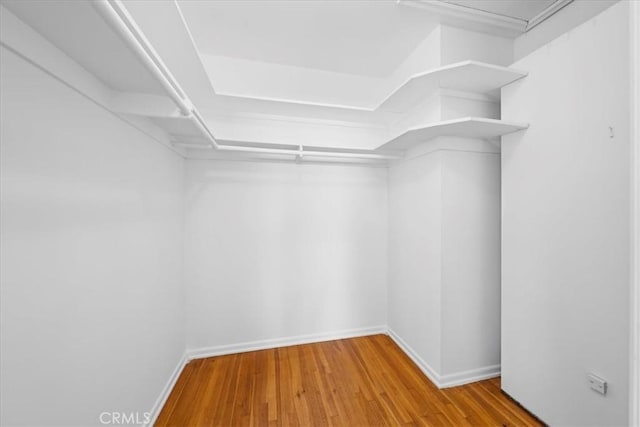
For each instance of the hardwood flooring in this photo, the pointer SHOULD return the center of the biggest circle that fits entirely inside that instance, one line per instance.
(351, 382)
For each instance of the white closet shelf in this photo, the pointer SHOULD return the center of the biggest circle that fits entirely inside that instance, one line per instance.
(466, 76)
(465, 127)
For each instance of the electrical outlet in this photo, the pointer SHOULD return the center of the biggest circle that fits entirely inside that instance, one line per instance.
(598, 384)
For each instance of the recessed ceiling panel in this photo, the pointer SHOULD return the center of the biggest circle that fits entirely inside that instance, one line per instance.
(519, 9)
(368, 38)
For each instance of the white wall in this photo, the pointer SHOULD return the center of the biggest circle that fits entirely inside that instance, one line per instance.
(426, 56)
(280, 250)
(565, 266)
(92, 315)
(444, 258)
(415, 218)
(470, 261)
(570, 16)
(634, 417)
(262, 80)
(457, 44)
(283, 130)
(258, 79)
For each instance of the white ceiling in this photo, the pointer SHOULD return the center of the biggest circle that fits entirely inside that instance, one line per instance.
(324, 52)
(519, 9)
(366, 38)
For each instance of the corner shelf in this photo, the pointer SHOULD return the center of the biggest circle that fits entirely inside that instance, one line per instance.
(465, 127)
(467, 76)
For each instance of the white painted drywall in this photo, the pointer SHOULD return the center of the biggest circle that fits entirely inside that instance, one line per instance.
(263, 80)
(425, 56)
(272, 81)
(470, 246)
(570, 16)
(566, 226)
(454, 105)
(280, 250)
(92, 307)
(634, 395)
(415, 218)
(288, 130)
(457, 44)
(444, 257)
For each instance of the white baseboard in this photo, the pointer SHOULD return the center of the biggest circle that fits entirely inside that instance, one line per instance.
(471, 376)
(424, 366)
(448, 380)
(201, 353)
(166, 391)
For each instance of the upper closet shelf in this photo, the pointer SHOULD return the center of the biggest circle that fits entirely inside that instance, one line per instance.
(467, 76)
(466, 127)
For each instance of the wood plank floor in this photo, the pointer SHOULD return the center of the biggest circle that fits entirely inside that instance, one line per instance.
(351, 382)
